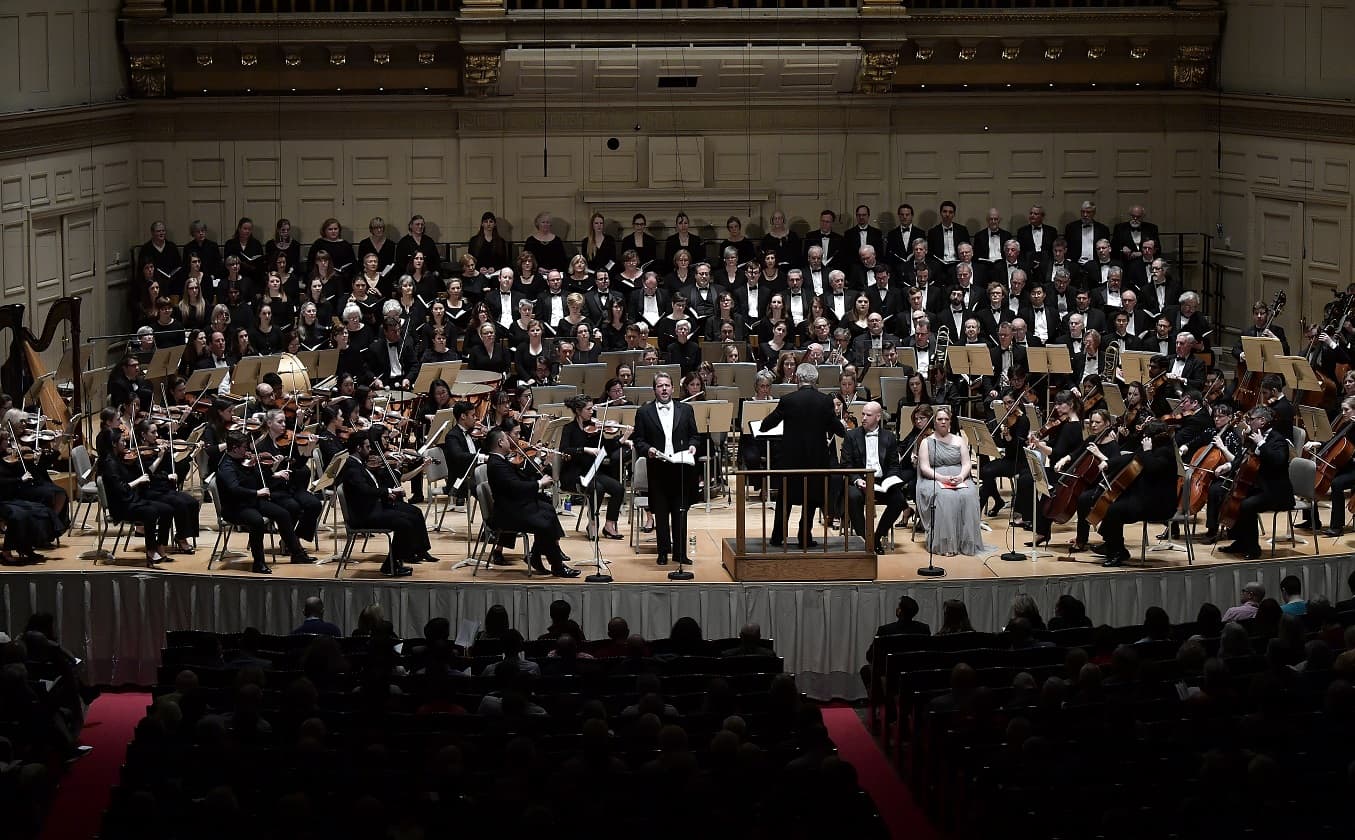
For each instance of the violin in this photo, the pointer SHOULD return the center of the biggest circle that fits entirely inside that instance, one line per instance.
(610, 429)
(289, 437)
(1049, 428)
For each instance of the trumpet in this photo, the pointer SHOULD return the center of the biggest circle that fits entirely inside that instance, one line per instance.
(1111, 364)
(942, 346)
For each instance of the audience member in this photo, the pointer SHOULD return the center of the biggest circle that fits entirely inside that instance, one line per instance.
(314, 623)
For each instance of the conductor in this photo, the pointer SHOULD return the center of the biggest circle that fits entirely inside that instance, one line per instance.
(810, 419)
(666, 429)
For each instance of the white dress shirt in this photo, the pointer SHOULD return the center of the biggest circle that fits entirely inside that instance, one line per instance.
(666, 412)
(873, 453)
(948, 244)
(1088, 252)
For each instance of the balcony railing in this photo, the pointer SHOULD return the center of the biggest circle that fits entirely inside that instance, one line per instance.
(1021, 5)
(676, 5)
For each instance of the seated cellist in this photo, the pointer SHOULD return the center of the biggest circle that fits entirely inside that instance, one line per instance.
(1144, 499)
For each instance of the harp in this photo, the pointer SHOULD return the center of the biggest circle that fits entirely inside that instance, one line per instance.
(29, 368)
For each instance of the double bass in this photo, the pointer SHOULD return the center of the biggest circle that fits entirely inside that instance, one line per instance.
(1077, 479)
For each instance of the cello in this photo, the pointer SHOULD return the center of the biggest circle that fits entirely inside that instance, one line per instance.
(1332, 457)
(1079, 477)
(1123, 480)
(1243, 482)
(1204, 463)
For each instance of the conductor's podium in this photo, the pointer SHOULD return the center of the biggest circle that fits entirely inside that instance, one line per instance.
(840, 557)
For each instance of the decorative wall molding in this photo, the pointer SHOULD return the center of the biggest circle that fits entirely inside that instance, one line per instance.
(64, 129)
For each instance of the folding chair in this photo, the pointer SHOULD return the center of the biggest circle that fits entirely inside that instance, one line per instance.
(639, 499)
(490, 535)
(88, 491)
(354, 533)
(224, 529)
(435, 473)
(124, 531)
(1303, 475)
(325, 478)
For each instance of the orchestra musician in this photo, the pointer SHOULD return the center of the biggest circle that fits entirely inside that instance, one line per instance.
(1282, 409)
(873, 447)
(1145, 499)
(1229, 442)
(290, 475)
(1260, 315)
(1099, 422)
(1272, 489)
(31, 522)
(908, 444)
(1060, 438)
(528, 509)
(126, 504)
(580, 444)
(1194, 424)
(1186, 370)
(245, 502)
(1345, 478)
(1012, 429)
(157, 458)
(127, 383)
(376, 501)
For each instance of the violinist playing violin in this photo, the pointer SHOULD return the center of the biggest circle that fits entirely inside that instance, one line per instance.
(154, 459)
(1146, 498)
(1091, 393)
(1058, 439)
(332, 437)
(29, 524)
(1272, 489)
(1345, 479)
(1011, 428)
(288, 475)
(580, 443)
(376, 501)
(125, 502)
(245, 501)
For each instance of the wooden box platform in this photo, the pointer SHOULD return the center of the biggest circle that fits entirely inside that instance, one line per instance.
(761, 562)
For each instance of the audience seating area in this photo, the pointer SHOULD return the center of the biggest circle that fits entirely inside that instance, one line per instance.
(1192, 730)
(318, 736)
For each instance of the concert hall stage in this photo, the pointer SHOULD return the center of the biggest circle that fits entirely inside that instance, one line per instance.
(114, 615)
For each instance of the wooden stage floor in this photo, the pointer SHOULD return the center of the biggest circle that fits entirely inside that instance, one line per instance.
(637, 565)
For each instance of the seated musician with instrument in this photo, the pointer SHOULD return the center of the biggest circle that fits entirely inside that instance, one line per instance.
(1344, 478)
(1010, 429)
(1059, 438)
(375, 500)
(1282, 409)
(30, 524)
(126, 504)
(244, 500)
(1261, 483)
(1228, 441)
(290, 475)
(1137, 490)
(127, 384)
(580, 444)
(873, 447)
(521, 498)
(155, 459)
(1084, 486)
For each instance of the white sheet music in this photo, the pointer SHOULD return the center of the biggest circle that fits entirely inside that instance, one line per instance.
(587, 478)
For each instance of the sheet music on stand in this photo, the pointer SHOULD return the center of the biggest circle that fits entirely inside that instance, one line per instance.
(980, 439)
(644, 374)
(1050, 360)
(1298, 373)
(1114, 399)
(971, 360)
(738, 374)
(1035, 463)
(165, 362)
(1134, 363)
(1032, 417)
(1260, 352)
(206, 379)
(1315, 423)
(752, 413)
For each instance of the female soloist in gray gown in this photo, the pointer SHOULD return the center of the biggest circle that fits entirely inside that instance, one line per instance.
(954, 528)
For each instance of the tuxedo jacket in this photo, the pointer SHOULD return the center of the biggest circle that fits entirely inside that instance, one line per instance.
(637, 304)
(809, 419)
(833, 256)
(1122, 237)
(1094, 278)
(1026, 236)
(595, 304)
(649, 430)
(851, 242)
(1073, 233)
(854, 451)
(378, 360)
(936, 243)
(1147, 293)
(899, 244)
(982, 243)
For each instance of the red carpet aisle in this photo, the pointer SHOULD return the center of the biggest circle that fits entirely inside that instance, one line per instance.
(876, 776)
(83, 796)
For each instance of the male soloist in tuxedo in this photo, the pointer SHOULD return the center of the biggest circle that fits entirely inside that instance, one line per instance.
(809, 419)
(665, 427)
(873, 447)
